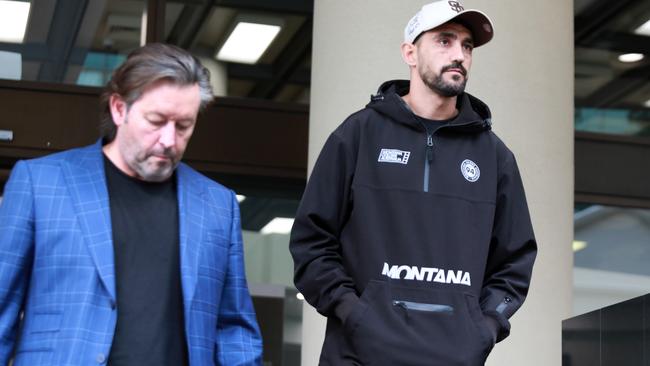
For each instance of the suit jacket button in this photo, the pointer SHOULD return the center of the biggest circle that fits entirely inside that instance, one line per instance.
(101, 358)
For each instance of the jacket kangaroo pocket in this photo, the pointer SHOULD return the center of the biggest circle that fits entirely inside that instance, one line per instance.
(399, 325)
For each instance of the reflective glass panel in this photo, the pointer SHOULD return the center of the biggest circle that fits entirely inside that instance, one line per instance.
(612, 63)
(73, 41)
(611, 255)
(613, 121)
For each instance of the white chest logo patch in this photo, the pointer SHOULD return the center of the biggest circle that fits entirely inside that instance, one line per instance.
(470, 170)
(394, 156)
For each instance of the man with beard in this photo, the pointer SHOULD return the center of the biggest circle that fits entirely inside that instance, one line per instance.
(413, 236)
(117, 253)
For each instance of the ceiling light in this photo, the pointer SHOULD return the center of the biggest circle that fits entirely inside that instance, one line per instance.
(631, 57)
(247, 42)
(279, 225)
(13, 20)
(240, 198)
(300, 296)
(644, 29)
(647, 103)
(579, 245)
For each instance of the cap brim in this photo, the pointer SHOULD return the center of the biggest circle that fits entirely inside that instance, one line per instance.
(478, 23)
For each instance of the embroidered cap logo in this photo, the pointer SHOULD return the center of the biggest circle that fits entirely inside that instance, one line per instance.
(455, 6)
(414, 24)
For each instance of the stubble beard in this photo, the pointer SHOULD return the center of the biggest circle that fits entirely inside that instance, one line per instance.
(154, 171)
(151, 172)
(140, 162)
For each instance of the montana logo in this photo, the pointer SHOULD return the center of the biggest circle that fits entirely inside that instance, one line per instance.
(428, 274)
(394, 156)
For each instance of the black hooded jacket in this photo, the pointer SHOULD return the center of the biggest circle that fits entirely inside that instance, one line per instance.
(413, 238)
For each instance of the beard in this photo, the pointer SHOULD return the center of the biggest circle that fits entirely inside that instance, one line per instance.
(436, 83)
(143, 162)
(151, 171)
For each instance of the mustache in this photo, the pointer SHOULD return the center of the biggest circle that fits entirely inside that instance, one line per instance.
(169, 153)
(455, 65)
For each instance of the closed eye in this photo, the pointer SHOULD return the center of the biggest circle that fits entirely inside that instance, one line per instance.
(156, 122)
(184, 125)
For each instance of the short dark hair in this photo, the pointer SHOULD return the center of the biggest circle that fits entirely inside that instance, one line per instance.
(145, 66)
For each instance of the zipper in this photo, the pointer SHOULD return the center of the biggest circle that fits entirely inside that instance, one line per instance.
(429, 155)
(418, 306)
(427, 161)
(429, 150)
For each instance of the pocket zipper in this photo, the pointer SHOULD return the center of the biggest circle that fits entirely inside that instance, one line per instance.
(418, 306)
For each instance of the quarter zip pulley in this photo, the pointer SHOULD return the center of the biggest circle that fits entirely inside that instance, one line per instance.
(428, 160)
(429, 146)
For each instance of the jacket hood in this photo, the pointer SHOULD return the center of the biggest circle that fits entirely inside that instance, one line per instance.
(474, 115)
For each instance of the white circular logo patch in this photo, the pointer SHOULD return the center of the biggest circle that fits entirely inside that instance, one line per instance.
(470, 170)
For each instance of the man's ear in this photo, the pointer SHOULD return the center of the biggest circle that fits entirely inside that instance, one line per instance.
(118, 108)
(409, 53)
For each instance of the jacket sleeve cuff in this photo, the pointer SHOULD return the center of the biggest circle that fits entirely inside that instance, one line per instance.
(345, 305)
(501, 324)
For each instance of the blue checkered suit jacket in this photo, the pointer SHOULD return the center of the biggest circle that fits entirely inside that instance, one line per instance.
(56, 266)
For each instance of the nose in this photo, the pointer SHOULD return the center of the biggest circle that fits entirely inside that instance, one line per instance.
(168, 135)
(458, 54)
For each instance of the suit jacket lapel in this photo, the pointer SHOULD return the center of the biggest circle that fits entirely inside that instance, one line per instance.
(191, 215)
(86, 180)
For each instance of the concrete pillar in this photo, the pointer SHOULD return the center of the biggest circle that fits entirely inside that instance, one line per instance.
(526, 76)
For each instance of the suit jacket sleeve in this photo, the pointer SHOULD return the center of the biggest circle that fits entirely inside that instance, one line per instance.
(16, 254)
(238, 337)
(512, 251)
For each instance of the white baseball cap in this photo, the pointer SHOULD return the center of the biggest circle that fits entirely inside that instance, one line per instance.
(440, 12)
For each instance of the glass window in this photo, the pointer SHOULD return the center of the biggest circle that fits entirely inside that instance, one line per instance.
(71, 42)
(611, 255)
(613, 121)
(612, 56)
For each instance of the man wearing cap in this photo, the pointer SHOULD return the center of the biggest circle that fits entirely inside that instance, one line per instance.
(413, 236)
